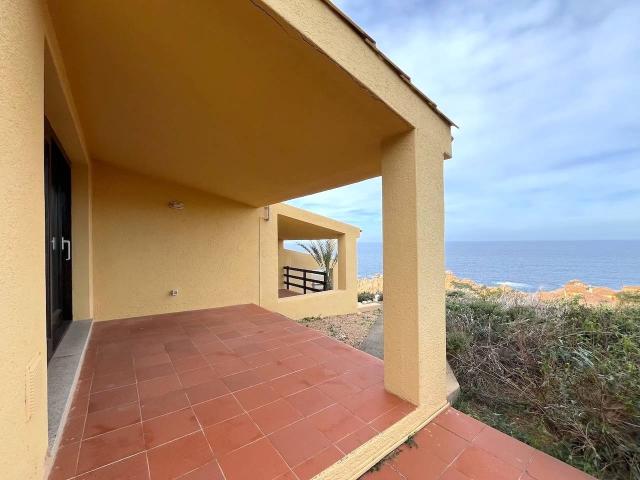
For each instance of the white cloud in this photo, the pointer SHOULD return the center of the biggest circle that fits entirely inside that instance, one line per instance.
(546, 94)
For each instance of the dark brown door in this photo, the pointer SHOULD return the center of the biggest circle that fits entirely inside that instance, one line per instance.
(57, 187)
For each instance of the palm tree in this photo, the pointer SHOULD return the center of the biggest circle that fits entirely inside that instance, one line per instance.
(325, 253)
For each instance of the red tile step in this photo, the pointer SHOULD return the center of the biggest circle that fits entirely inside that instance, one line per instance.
(457, 447)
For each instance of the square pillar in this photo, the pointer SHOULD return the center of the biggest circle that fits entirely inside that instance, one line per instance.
(268, 259)
(281, 263)
(347, 263)
(414, 294)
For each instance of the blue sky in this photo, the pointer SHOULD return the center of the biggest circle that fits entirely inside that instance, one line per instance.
(547, 96)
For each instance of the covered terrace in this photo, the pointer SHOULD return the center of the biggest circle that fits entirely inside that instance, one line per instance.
(181, 122)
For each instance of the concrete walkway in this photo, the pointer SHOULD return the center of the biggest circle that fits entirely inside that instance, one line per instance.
(374, 345)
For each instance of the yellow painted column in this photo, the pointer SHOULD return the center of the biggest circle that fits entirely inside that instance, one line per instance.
(413, 240)
(268, 259)
(23, 369)
(347, 263)
(281, 263)
(340, 280)
(82, 241)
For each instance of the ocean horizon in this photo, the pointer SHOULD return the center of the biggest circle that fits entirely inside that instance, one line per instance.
(530, 265)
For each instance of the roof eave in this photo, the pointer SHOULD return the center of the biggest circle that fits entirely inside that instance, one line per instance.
(371, 43)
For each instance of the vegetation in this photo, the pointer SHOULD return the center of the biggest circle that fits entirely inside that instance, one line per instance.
(408, 443)
(365, 296)
(307, 320)
(369, 296)
(629, 297)
(563, 377)
(325, 253)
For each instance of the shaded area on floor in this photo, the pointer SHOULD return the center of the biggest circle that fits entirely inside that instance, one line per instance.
(283, 293)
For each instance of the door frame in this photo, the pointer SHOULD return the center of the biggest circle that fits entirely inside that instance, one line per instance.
(53, 337)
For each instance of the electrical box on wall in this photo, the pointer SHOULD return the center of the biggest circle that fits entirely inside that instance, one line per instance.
(173, 293)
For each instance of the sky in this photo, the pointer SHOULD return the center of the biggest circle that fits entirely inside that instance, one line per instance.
(547, 97)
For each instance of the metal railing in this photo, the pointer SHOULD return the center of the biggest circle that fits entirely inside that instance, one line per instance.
(303, 275)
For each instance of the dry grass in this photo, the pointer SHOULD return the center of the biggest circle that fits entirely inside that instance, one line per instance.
(561, 376)
(370, 284)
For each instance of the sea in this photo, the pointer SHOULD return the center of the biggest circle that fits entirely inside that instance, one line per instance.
(531, 266)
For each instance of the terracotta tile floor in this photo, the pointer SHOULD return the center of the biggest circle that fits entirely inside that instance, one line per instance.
(457, 447)
(235, 393)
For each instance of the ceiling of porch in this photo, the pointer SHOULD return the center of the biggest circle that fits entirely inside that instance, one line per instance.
(294, 229)
(218, 96)
(297, 224)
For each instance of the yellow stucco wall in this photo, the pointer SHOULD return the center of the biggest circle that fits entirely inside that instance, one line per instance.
(338, 301)
(341, 300)
(82, 237)
(346, 273)
(294, 259)
(321, 304)
(23, 440)
(299, 260)
(215, 252)
(142, 249)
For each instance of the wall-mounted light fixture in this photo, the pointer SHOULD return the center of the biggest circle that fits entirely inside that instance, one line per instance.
(176, 205)
(266, 214)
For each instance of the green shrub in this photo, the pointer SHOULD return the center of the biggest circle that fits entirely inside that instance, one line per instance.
(365, 296)
(458, 342)
(309, 319)
(564, 377)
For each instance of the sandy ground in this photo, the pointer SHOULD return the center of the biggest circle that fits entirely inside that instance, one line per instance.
(351, 329)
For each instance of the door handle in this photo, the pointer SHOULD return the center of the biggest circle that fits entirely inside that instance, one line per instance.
(68, 244)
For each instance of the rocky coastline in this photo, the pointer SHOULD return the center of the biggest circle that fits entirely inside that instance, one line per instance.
(589, 294)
